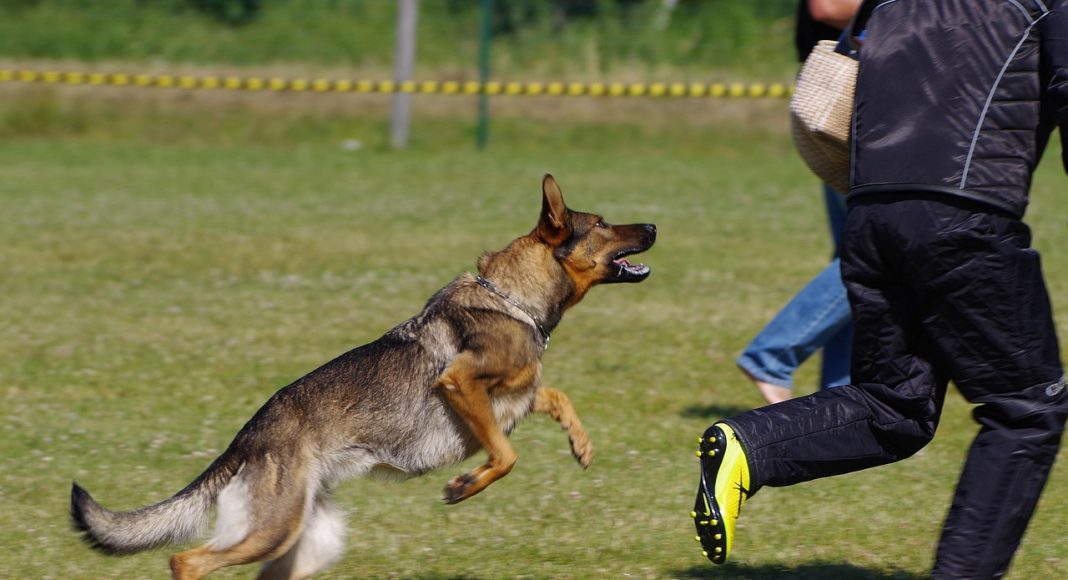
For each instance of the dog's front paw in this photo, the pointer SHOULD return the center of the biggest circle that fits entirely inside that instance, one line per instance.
(582, 449)
(458, 488)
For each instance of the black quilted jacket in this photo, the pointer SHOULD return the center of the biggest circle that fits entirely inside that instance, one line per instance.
(959, 97)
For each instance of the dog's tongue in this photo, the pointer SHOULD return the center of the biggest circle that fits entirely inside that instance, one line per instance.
(625, 264)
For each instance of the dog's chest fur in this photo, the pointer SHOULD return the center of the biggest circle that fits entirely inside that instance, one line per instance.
(423, 432)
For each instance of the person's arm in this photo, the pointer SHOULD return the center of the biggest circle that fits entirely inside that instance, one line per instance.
(836, 13)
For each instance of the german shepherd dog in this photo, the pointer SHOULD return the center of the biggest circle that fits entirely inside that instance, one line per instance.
(431, 392)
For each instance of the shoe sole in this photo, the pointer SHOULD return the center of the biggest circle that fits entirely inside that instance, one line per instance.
(711, 531)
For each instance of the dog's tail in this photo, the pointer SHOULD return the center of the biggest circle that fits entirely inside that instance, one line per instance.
(180, 518)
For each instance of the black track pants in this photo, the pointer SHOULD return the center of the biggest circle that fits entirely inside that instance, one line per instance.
(941, 290)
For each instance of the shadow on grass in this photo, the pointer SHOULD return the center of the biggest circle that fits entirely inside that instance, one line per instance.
(836, 570)
(818, 571)
(712, 411)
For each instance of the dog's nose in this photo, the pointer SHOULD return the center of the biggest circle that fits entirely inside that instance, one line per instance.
(650, 229)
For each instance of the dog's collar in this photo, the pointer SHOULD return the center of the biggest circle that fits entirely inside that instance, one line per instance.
(537, 323)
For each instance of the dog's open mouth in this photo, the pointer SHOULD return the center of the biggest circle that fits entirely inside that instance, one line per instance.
(641, 237)
(623, 271)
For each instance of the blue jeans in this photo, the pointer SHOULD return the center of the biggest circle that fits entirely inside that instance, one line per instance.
(817, 317)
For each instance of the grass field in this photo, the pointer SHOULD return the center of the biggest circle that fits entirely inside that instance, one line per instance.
(166, 268)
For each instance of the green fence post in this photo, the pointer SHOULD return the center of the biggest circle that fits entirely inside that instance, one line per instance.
(484, 66)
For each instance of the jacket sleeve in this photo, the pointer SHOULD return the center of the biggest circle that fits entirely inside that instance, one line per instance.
(1054, 33)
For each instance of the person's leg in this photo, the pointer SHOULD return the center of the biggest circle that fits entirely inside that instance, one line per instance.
(830, 432)
(890, 413)
(816, 314)
(1007, 467)
(999, 341)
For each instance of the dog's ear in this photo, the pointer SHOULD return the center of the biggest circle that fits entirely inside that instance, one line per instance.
(554, 226)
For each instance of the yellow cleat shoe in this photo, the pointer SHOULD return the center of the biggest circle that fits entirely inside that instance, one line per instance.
(723, 489)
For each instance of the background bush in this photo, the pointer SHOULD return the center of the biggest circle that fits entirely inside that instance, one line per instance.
(568, 37)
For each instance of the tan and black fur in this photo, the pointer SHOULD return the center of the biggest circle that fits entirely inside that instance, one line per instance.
(429, 393)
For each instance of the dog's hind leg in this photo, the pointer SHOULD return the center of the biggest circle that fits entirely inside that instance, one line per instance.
(320, 544)
(261, 514)
(555, 404)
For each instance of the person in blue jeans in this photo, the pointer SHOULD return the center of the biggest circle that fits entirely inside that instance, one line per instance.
(818, 316)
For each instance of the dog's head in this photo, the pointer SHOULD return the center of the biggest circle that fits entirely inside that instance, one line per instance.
(590, 250)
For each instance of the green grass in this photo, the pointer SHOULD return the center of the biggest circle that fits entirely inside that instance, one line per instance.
(159, 285)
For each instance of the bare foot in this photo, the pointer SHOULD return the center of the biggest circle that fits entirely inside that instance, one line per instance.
(771, 393)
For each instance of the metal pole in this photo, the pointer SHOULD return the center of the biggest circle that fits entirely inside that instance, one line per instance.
(404, 63)
(484, 71)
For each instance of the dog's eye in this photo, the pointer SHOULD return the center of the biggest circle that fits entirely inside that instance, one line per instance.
(600, 224)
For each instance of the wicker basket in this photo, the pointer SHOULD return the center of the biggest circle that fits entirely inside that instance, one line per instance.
(821, 113)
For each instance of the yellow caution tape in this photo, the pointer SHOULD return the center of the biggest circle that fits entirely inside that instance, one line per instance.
(555, 89)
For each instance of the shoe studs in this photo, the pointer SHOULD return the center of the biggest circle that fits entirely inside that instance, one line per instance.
(710, 441)
(707, 448)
